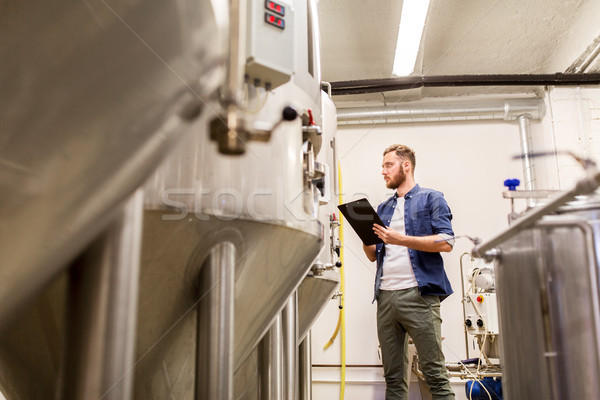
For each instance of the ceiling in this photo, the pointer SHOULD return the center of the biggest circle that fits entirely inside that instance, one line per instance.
(358, 39)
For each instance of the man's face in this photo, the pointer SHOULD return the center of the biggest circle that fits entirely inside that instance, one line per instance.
(392, 170)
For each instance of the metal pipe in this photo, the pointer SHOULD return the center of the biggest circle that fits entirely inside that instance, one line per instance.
(327, 85)
(526, 150)
(214, 362)
(584, 186)
(236, 52)
(464, 375)
(289, 317)
(270, 362)
(586, 58)
(102, 306)
(305, 369)
(508, 109)
(462, 286)
(234, 76)
(591, 57)
(413, 82)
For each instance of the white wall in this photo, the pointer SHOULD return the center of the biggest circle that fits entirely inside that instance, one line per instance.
(468, 162)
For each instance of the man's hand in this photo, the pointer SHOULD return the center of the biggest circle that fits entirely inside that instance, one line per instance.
(432, 243)
(387, 234)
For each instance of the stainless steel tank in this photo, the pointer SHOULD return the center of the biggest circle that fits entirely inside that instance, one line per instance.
(258, 209)
(199, 198)
(547, 283)
(95, 95)
(268, 373)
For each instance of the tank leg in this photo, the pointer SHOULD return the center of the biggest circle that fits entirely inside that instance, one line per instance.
(270, 362)
(214, 360)
(305, 369)
(290, 348)
(101, 311)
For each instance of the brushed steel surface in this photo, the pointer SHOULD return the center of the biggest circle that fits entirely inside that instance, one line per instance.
(102, 303)
(547, 284)
(313, 295)
(270, 264)
(94, 94)
(30, 349)
(95, 303)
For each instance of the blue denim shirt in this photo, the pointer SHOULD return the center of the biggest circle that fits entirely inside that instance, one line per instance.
(425, 213)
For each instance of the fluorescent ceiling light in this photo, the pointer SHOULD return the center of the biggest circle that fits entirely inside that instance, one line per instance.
(410, 31)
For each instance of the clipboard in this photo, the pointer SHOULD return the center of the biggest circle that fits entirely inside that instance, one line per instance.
(361, 216)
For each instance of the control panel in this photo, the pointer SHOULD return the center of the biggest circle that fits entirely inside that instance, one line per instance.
(481, 311)
(270, 43)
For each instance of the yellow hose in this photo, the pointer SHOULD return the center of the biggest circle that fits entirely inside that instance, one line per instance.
(335, 333)
(341, 324)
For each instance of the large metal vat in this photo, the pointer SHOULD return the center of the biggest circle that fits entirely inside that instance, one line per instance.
(94, 95)
(547, 284)
(262, 201)
(208, 216)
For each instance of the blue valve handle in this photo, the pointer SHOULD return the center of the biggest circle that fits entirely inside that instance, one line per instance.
(512, 184)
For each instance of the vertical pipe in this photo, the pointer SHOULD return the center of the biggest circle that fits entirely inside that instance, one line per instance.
(236, 51)
(305, 369)
(235, 72)
(214, 361)
(271, 363)
(102, 306)
(526, 149)
(289, 317)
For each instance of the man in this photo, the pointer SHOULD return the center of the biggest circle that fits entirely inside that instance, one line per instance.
(410, 281)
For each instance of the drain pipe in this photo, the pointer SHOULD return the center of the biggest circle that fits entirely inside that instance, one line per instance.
(526, 150)
(508, 110)
(522, 110)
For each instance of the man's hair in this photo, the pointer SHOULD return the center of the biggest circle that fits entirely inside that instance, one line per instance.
(404, 152)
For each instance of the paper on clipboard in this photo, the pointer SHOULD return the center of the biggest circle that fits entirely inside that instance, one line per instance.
(361, 216)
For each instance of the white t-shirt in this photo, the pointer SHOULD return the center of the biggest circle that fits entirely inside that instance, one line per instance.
(397, 269)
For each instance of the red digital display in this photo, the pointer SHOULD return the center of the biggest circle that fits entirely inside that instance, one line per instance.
(275, 7)
(274, 20)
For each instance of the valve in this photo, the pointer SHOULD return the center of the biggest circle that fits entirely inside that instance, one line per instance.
(232, 136)
(311, 127)
(319, 268)
(338, 295)
(512, 184)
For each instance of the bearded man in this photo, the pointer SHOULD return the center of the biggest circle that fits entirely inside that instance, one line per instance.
(410, 281)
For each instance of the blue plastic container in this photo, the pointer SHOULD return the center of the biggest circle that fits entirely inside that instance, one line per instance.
(493, 386)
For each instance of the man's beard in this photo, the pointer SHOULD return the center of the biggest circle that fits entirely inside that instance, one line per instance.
(397, 180)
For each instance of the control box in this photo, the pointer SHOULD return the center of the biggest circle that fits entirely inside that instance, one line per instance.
(481, 311)
(270, 42)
